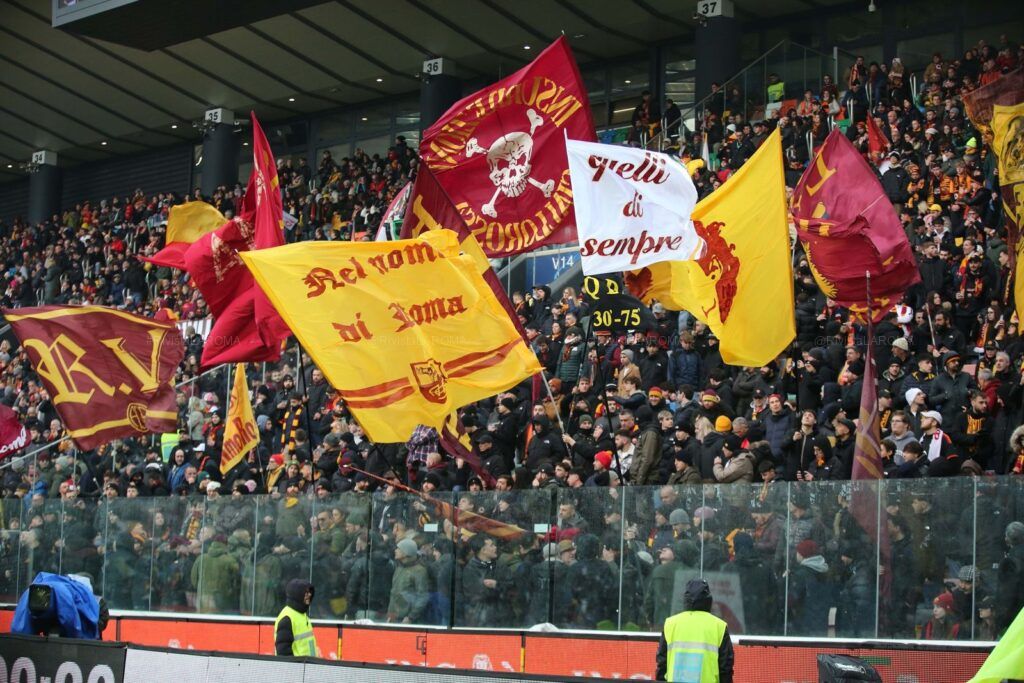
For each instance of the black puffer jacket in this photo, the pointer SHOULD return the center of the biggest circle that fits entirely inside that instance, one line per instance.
(295, 597)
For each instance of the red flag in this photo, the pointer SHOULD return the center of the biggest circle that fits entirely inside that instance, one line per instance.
(500, 154)
(13, 435)
(848, 227)
(269, 227)
(109, 374)
(243, 330)
(877, 142)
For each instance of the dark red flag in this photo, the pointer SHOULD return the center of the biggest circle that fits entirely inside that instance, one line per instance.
(848, 227)
(868, 467)
(1007, 90)
(109, 374)
(13, 435)
(500, 154)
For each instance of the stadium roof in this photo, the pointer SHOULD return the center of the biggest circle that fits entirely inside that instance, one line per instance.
(88, 99)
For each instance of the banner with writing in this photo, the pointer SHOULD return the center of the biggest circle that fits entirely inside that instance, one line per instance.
(240, 434)
(632, 207)
(109, 374)
(407, 331)
(613, 309)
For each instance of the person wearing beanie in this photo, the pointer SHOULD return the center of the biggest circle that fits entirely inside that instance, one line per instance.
(628, 370)
(695, 636)
(712, 407)
(759, 606)
(811, 591)
(410, 586)
(939, 451)
(506, 431)
(735, 463)
(950, 391)
(602, 461)
(944, 624)
(682, 462)
(293, 632)
(485, 585)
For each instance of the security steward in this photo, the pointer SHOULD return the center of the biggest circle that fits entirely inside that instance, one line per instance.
(695, 646)
(293, 631)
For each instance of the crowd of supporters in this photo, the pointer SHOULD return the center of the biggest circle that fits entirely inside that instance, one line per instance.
(654, 408)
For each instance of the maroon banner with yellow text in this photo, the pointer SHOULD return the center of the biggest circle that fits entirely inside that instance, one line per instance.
(109, 374)
(500, 154)
(848, 228)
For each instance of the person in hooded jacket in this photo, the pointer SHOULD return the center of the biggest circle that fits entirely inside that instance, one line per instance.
(594, 591)
(810, 591)
(695, 645)
(546, 445)
(293, 631)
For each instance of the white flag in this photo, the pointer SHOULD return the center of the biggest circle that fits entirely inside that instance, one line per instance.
(632, 207)
(394, 212)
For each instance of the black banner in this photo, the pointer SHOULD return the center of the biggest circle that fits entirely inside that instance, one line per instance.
(612, 308)
(26, 659)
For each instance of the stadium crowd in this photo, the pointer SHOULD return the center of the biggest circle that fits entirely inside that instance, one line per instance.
(656, 408)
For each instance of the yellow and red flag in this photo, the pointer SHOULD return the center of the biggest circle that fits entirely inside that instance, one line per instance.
(186, 223)
(240, 434)
(742, 287)
(408, 330)
(109, 374)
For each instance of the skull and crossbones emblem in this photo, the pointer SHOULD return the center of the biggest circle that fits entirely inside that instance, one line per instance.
(509, 161)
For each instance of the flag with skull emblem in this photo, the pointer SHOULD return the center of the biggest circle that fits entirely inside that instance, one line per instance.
(500, 154)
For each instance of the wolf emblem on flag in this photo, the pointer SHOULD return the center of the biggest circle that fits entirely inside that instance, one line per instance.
(431, 380)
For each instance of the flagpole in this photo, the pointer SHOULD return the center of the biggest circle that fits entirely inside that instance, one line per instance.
(931, 326)
(869, 368)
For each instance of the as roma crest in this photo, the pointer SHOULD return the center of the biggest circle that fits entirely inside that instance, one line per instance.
(431, 380)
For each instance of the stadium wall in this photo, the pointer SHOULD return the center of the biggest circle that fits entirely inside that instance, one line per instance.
(590, 655)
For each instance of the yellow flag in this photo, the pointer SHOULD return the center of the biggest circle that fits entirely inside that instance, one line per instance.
(240, 433)
(1008, 142)
(743, 285)
(408, 331)
(188, 222)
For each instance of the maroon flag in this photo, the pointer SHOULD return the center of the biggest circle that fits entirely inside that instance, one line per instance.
(457, 444)
(109, 374)
(13, 435)
(1007, 90)
(865, 505)
(500, 154)
(848, 227)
